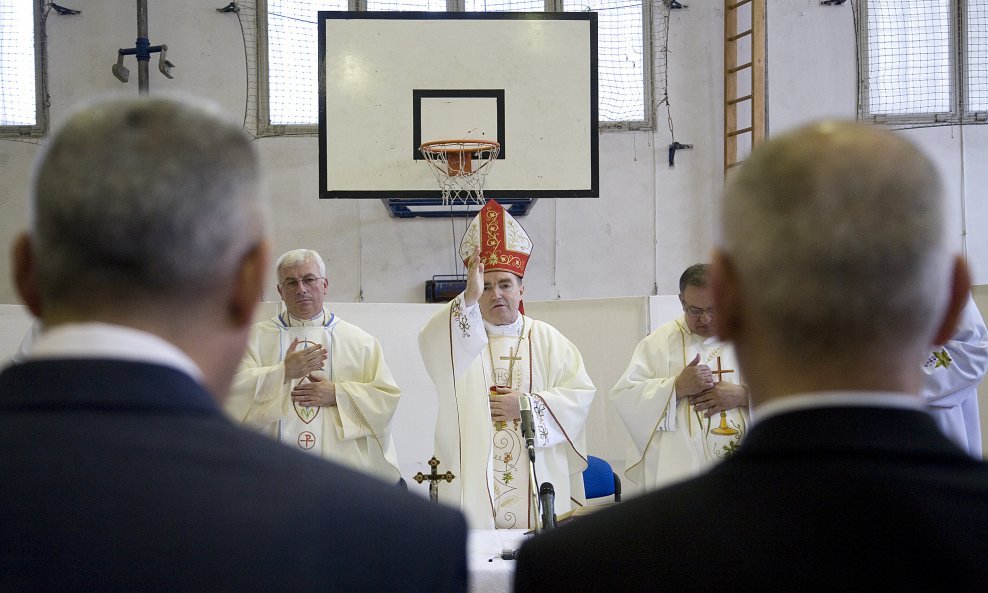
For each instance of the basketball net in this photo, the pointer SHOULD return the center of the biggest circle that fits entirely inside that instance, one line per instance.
(461, 168)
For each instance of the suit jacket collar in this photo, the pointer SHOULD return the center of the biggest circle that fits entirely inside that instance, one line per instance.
(848, 429)
(102, 384)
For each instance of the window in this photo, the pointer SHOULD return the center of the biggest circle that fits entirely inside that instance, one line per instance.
(291, 63)
(430, 5)
(288, 101)
(504, 5)
(20, 67)
(620, 56)
(923, 62)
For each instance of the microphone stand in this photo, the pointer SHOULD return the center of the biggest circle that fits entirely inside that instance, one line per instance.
(542, 500)
(528, 432)
(533, 489)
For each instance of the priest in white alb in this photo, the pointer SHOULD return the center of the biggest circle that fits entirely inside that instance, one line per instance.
(316, 382)
(681, 397)
(951, 376)
(484, 355)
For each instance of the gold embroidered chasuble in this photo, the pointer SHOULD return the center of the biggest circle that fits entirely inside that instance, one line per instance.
(509, 365)
(455, 348)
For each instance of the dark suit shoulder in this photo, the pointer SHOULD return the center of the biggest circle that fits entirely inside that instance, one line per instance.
(884, 505)
(164, 496)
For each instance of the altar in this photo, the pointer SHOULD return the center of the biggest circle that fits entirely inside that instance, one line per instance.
(490, 560)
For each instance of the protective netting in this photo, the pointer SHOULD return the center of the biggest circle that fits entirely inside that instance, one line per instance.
(922, 62)
(504, 5)
(17, 87)
(621, 63)
(293, 61)
(19, 76)
(292, 41)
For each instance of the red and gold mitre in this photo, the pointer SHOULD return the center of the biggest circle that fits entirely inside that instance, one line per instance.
(503, 244)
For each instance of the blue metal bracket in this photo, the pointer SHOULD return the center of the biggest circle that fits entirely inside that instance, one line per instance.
(434, 208)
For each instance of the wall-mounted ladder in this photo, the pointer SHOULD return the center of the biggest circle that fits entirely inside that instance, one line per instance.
(744, 79)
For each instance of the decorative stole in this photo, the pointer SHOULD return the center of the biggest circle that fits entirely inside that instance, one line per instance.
(721, 433)
(300, 427)
(509, 364)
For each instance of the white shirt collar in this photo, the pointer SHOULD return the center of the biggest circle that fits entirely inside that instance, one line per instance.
(508, 329)
(104, 340)
(834, 399)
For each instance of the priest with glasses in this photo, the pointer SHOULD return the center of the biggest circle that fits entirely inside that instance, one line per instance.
(315, 381)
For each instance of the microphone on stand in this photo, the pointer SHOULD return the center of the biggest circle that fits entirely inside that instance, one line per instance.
(528, 433)
(527, 425)
(547, 496)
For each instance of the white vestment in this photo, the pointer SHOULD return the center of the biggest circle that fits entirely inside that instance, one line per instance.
(356, 431)
(464, 365)
(953, 373)
(670, 440)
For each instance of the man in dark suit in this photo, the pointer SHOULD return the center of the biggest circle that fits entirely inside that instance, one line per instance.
(118, 472)
(834, 277)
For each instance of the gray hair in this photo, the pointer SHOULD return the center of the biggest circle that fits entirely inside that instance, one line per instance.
(695, 275)
(836, 234)
(155, 197)
(298, 257)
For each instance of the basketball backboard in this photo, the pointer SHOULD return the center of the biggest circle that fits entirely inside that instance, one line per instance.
(390, 81)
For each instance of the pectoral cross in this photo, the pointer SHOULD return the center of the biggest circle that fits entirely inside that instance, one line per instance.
(510, 356)
(721, 372)
(434, 478)
(723, 429)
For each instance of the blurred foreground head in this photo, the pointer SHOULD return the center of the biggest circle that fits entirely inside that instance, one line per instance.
(144, 212)
(834, 254)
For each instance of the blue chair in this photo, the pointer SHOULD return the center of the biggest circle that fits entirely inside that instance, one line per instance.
(599, 480)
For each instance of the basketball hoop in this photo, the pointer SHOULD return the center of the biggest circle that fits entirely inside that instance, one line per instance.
(461, 167)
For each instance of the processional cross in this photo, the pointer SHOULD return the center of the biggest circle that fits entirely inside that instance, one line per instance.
(434, 478)
(723, 429)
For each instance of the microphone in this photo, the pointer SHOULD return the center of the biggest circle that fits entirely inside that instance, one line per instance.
(547, 498)
(527, 424)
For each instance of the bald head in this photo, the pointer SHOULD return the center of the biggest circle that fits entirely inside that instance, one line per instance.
(834, 237)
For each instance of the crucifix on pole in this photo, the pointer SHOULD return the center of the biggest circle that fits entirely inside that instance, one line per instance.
(434, 478)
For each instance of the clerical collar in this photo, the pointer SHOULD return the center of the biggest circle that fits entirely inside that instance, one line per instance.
(685, 329)
(509, 329)
(317, 320)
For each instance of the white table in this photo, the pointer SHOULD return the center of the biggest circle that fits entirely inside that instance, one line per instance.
(489, 572)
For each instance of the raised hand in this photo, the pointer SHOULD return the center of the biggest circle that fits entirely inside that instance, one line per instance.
(475, 280)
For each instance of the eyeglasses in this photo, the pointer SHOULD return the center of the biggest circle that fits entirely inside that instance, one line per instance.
(308, 281)
(697, 311)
